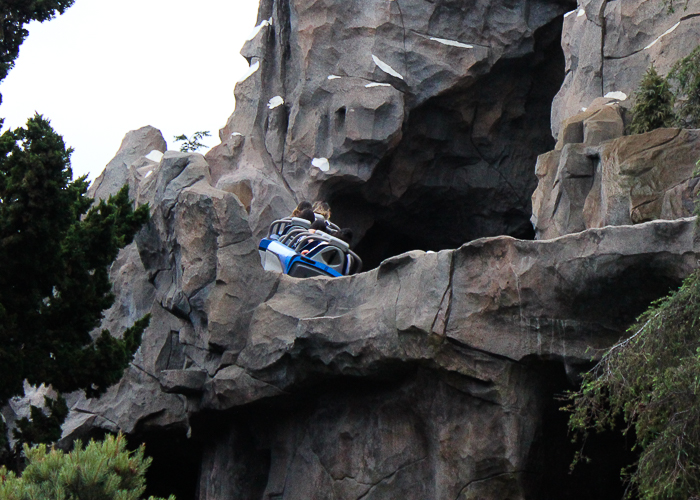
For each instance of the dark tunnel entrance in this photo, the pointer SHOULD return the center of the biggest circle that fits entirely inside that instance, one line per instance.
(464, 168)
(550, 476)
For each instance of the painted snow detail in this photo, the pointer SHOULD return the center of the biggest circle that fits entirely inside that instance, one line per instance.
(620, 96)
(253, 68)
(377, 84)
(154, 155)
(452, 43)
(385, 67)
(256, 30)
(581, 12)
(321, 164)
(333, 77)
(583, 109)
(668, 31)
(569, 13)
(148, 173)
(275, 101)
(236, 134)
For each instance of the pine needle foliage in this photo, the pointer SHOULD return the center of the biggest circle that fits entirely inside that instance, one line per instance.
(652, 381)
(190, 145)
(103, 470)
(685, 77)
(55, 249)
(653, 107)
(15, 15)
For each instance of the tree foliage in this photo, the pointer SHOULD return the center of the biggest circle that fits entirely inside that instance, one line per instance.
(101, 471)
(685, 77)
(55, 249)
(652, 381)
(670, 101)
(15, 15)
(43, 426)
(653, 107)
(193, 144)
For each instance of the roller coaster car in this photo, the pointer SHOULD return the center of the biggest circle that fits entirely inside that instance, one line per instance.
(291, 248)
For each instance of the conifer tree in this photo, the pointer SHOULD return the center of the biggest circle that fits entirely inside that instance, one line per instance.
(101, 471)
(55, 249)
(653, 107)
(685, 75)
(651, 381)
(16, 14)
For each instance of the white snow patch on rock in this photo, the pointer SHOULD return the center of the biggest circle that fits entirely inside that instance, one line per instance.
(670, 30)
(235, 134)
(148, 173)
(154, 155)
(256, 30)
(620, 96)
(253, 68)
(333, 77)
(452, 43)
(321, 164)
(385, 67)
(583, 109)
(377, 84)
(569, 13)
(581, 12)
(275, 101)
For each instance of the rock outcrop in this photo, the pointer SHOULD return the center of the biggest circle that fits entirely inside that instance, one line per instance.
(419, 109)
(432, 374)
(140, 150)
(609, 45)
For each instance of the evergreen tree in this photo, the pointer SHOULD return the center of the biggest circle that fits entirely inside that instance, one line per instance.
(685, 75)
(55, 249)
(651, 381)
(15, 15)
(101, 471)
(653, 107)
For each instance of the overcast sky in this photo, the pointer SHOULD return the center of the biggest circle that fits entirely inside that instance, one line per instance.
(104, 68)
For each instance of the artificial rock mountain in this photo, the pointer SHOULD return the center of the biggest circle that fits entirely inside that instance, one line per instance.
(432, 375)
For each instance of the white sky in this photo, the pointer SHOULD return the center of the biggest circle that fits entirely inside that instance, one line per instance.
(104, 68)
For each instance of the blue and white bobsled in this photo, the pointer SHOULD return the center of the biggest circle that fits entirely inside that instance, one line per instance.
(292, 249)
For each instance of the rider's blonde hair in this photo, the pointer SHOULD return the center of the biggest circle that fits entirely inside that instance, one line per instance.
(322, 208)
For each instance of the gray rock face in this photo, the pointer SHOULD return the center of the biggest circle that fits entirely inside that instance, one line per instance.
(624, 181)
(431, 375)
(136, 151)
(414, 99)
(609, 45)
(360, 385)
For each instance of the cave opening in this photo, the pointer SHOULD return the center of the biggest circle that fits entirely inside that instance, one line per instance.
(464, 168)
(175, 466)
(550, 476)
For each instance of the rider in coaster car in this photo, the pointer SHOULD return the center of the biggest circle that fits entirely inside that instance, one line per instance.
(307, 214)
(322, 208)
(304, 205)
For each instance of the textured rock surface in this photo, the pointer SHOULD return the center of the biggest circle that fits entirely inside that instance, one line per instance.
(419, 108)
(609, 45)
(628, 180)
(360, 385)
(432, 375)
(140, 148)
